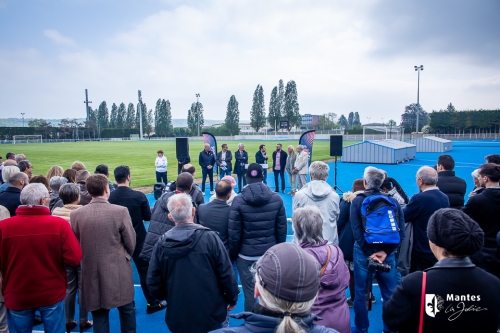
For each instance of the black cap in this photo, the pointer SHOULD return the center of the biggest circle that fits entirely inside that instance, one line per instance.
(254, 173)
(455, 231)
(289, 273)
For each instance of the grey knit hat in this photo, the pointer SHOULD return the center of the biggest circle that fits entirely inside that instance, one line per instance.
(455, 231)
(289, 273)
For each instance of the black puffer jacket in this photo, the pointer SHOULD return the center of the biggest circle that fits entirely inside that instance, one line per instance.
(160, 224)
(257, 221)
(454, 187)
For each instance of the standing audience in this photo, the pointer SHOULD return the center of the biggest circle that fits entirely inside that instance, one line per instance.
(459, 297)
(20, 157)
(103, 169)
(4, 214)
(418, 211)
(70, 175)
(41, 179)
(139, 210)
(484, 208)
(81, 180)
(70, 196)
(37, 284)
(6, 172)
(379, 253)
(55, 170)
(346, 238)
(192, 258)
(55, 184)
(261, 158)
(223, 161)
(78, 166)
(331, 303)
(286, 294)
(107, 280)
(454, 187)
(26, 167)
(320, 194)
(11, 197)
(231, 180)
(257, 221)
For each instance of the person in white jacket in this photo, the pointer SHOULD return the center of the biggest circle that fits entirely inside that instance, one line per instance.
(301, 166)
(161, 167)
(320, 194)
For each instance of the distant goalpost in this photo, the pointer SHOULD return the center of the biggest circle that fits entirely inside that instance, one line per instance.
(27, 139)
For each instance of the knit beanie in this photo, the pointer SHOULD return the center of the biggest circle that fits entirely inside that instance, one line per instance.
(455, 231)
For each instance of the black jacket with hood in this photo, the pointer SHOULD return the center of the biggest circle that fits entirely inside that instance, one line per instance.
(454, 187)
(484, 208)
(257, 221)
(191, 270)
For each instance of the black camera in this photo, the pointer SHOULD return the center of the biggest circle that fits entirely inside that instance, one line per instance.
(376, 266)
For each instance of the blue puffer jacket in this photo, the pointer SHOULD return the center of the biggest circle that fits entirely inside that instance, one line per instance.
(257, 323)
(257, 221)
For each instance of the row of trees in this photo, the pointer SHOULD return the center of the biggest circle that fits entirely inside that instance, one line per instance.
(283, 105)
(452, 121)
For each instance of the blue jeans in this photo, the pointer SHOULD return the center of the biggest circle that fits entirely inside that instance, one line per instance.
(161, 177)
(52, 316)
(386, 281)
(223, 173)
(264, 173)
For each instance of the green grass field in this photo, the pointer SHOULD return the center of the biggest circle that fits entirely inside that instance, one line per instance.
(139, 156)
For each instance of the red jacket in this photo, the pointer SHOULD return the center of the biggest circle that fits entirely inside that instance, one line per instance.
(34, 247)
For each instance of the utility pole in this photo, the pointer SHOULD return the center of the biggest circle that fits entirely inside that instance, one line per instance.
(198, 112)
(140, 114)
(22, 114)
(418, 69)
(87, 104)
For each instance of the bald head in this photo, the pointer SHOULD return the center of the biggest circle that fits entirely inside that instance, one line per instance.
(18, 180)
(188, 168)
(427, 175)
(10, 163)
(207, 147)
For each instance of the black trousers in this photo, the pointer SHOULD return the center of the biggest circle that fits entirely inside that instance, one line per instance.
(280, 173)
(210, 174)
(142, 268)
(127, 319)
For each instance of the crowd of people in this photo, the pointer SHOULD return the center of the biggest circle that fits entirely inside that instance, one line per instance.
(435, 255)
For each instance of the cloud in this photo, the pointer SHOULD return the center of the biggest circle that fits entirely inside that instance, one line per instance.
(344, 56)
(57, 38)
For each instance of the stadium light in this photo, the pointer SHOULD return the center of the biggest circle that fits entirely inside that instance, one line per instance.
(198, 112)
(418, 69)
(22, 114)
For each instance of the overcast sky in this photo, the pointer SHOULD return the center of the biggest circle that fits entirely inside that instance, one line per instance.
(344, 55)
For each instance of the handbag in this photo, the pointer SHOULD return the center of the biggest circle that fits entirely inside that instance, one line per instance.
(323, 269)
(422, 304)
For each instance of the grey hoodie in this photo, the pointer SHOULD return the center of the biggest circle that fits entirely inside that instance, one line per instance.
(320, 194)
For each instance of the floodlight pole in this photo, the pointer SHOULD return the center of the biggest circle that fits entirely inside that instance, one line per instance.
(86, 101)
(139, 109)
(418, 69)
(22, 114)
(198, 111)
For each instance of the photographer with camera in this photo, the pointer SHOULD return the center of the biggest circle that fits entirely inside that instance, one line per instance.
(378, 226)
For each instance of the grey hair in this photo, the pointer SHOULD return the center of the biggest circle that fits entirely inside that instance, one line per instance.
(428, 175)
(290, 146)
(4, 213)
(7, 171)
(56, 182)
(475, 174)
(32, 194)
(319, 170)
(308, 225)
(240, 144)
(20, 157)
(300, 146)
(179, 206)
(373, 177)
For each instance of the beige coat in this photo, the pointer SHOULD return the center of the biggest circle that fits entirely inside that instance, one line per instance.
(302, 163)
(65, 211)
(107, 239)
